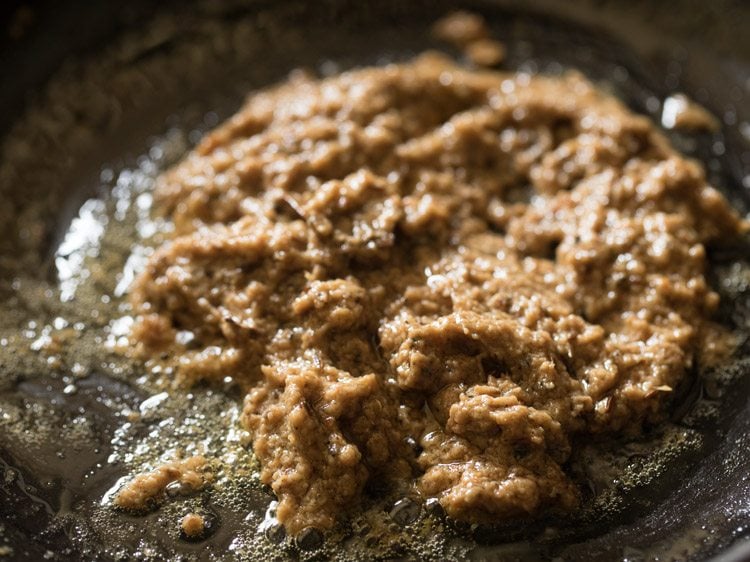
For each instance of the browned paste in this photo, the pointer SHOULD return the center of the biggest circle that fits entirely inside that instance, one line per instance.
(469, 32)
(148, 489)
(193, 525)
(433, 279)
(680, 112)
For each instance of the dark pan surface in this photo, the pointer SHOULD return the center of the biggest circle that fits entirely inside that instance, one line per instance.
(105, 95)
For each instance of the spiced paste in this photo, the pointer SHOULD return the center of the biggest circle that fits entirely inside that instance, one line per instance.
(432, 279)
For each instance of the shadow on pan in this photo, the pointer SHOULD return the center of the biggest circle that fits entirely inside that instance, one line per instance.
(642, 50)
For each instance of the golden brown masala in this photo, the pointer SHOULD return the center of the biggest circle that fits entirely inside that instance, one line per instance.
(433, 277)
(193, 525)
(147, 490)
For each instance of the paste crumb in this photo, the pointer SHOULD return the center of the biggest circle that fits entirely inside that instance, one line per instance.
(460, 28)
(469, 33)
(147, 490)
(680, 112)
(485, 52)
(193, 525)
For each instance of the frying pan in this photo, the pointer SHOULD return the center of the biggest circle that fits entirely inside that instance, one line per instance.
(104, 94)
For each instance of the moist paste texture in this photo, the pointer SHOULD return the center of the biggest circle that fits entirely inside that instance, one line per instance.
(429, 278)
